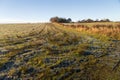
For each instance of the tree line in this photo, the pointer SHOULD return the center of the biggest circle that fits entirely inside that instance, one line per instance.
(69, 20)
(60, 20)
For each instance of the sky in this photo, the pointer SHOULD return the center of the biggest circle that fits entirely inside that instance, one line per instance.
(12, 11)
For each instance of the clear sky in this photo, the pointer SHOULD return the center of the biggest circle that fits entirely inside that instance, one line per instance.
(42, 10)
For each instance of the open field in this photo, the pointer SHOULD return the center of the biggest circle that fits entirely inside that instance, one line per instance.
(50, 51)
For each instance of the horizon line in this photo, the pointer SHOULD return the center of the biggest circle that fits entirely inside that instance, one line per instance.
(21, 21)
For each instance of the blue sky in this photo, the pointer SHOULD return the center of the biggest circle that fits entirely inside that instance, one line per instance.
(42, 10)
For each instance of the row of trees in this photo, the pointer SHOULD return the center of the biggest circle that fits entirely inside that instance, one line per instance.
(60, 20)
(69, 20)
(90, 20)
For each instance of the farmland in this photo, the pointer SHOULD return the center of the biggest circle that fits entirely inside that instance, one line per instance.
(51, 51)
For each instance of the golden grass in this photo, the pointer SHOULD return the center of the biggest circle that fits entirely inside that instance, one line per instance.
(17, 30)
(110, 29)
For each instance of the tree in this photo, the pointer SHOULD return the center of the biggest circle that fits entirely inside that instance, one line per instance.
(86, 20)
(60, 20)
(54, 19)
(89, 20)
(105, 20)
(69, 20)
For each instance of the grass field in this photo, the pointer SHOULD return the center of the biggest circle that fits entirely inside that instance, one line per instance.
(51, 51)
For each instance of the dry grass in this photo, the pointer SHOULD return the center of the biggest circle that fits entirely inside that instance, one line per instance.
(14, 30)
(110, 29)
(54, 52)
